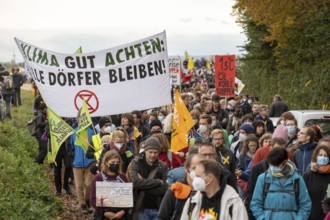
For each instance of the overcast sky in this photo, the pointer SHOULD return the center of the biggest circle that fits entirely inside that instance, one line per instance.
(200, 27)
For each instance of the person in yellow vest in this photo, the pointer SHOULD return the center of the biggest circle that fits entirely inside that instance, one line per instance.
(95, 148)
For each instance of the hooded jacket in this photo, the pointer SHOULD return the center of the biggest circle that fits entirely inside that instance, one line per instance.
(264, 208)
(230, 200)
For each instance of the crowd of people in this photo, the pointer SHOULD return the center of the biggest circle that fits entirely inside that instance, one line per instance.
(237, 165)
(10, 90)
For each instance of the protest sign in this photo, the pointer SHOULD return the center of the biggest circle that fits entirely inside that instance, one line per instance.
(174, 70)
(225, 68)
(121, 79)
(114, 194)
(239, 86)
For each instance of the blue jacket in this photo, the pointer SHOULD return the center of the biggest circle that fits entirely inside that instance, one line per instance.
(80, 160)
(303, 156)
(280, 200)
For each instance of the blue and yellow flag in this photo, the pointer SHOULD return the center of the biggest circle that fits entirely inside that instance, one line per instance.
(182, 123)
(59, 132)
(85, 120)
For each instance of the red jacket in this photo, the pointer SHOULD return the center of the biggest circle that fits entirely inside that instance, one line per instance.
(176, 162)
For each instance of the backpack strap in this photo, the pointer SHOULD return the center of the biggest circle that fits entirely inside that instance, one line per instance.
(296, 190)
(266, 187)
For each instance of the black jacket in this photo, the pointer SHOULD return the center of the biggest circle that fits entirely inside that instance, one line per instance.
(277, 109)
(258, 169)
(171, 207)
(317, 185)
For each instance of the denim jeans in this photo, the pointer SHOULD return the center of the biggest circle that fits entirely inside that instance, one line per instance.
(148, 214)
(7, 98)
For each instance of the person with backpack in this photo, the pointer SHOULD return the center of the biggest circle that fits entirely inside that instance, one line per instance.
(280, 192)
(6, 86)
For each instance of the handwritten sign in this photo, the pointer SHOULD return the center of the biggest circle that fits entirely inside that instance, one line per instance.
(113, 194)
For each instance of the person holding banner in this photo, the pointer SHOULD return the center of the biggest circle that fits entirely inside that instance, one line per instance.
(111, 171)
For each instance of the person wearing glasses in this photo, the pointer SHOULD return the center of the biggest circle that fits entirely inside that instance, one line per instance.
(223, 154)
(302, 157)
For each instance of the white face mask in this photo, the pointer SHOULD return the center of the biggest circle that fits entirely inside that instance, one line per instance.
(160, 118)
(192, 174)
(250, 101)
(242, 137)
(107, 129)
(202, 128)
(282, 122)
(141, 150)
(119, 145)
(199, 184)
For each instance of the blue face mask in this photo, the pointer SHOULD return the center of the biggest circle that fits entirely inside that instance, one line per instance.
(291, 129)
(322, 160)
(274, 169)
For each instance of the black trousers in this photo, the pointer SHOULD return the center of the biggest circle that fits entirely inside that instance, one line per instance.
(62, 158)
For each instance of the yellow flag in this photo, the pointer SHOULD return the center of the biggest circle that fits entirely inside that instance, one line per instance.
(78, 51)
(190, 64)
(182, 123)
(85, 120)
(59, 132)
(186, 54)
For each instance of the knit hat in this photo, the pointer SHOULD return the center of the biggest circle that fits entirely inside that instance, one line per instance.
(156, 122)
(248, 128)
(152, 143)
(281, 132)
(103, 121)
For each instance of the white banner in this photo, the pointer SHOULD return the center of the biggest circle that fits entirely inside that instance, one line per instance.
(113, 194)
(129, 77)
(174, 70)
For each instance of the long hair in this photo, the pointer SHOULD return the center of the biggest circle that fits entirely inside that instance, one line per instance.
(108, 156)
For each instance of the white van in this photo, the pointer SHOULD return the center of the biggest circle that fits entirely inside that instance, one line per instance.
(309, 117)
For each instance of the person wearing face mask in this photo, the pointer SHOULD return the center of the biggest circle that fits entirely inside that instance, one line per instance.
(280, 193)
(175, 198)
(237, 146)
(317, 191)
(119, 143)
(214, 199)
(246, 105)
(111, 171)
(95, 150)
(291, 125)
(204, 131)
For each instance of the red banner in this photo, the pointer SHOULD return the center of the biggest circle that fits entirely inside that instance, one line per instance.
(225, 71)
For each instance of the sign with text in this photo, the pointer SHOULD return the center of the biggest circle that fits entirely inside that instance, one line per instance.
(174, 70)
(121, 79)
(114, 194)
(225, 71)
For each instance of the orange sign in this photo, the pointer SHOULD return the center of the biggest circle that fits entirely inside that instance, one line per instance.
(225, 71)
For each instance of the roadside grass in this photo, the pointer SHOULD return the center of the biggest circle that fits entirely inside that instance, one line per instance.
(24, 185)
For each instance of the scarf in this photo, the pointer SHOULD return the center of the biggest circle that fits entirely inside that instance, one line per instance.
(286, 172)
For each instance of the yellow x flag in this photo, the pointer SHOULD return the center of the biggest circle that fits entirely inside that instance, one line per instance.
(59, 132)
(190, 64)
(85, 120)
(182, 123)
